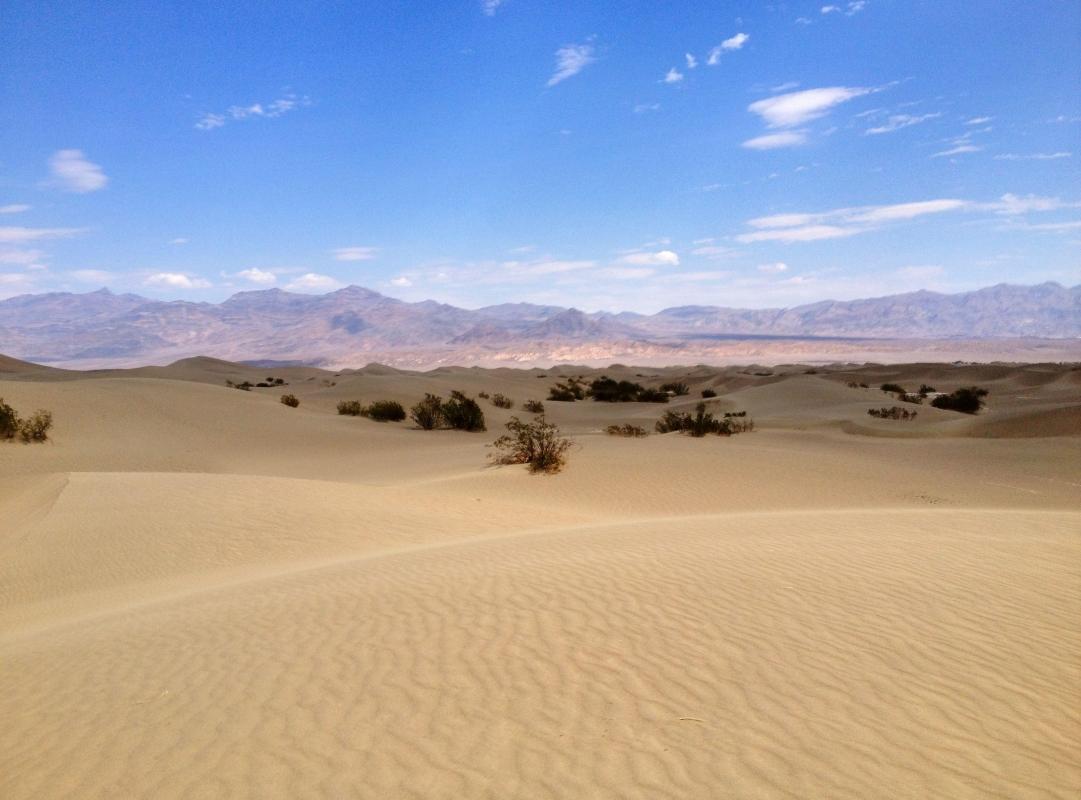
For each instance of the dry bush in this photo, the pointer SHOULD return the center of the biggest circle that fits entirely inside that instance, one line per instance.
(351, 407)
(290, 400)
(384, 411)
(36, 427)
(968, 400)
(708, 393)
(533, 406)
(502, 401)
(702, 422)
(428, 413)
(462, 413)
(676, 388)
(632, 431)
(9, 421)
(893, 412)
(573, 389)
(537, 444)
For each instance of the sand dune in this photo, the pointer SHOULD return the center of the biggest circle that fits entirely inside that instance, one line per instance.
(204, 593)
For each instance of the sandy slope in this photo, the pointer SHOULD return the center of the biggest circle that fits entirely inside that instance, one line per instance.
(204, 593)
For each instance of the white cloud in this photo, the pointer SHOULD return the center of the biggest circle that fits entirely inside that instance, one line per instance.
(785, 87)
(355, 253)
(642, 108)
(920, 272)
(72, 172)
(28, 258)
(855, 7)
(830, 9)
(673, 76)
(176, 280)
(876, 214)
(660, 258)
(489, 7)
(178, 241)
(958, 150)
(271, 110)
(841, 222)
(14, 208)
(91, 275)
(22, 234)
(732, 43)
(806, 233)
(570, 60)
(898, 121)
(627, 273)
(979, 120)
(256, 275)
(713, 251)
(772, 141)
(312, 281)
(692, 62)
(796, 108)
(1013, 205)
(775, 267)
(401, 280)
(1033, 156)
(547, 266)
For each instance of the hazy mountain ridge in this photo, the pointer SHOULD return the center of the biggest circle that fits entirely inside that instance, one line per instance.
(354, 321)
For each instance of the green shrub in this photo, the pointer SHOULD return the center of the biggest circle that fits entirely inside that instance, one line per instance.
(290, 400)
(533, 406)
(678, 388)
(462, 413)
(502, 401)
(633, 431)
(36, 427)
(9, 421)
(537, 443)
(351, 407)
(708, 393)
(428, 413)
(968, 400)
(384, 411)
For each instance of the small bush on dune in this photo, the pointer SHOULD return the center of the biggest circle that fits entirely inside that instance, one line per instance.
(290, 400)
(502, 401)
(533, 406)
(708, 393)
(36, 428)
(384, 411)
(483, 395)
(568, 392)
(702, 422)
(428, 413)
(968, 400)
(351, 407)
(895, 388)
(537, 444)
(462, 413)
(925, 390)
(893, 412)
(9, 421)
(652, 396)
(632, 431)
(607, 390)
(246, 386)
(676, 387)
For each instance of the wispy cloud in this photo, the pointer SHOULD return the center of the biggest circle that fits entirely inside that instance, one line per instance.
(314, 282)
(853, 8)
(72, 172)
(841, 222)
(979, 120)
(570, 60)
(732, 43)
(1033, 156)
(898, 121)
(660, 258)
(692, 62)
(23, 234)
(1014, 205)
(958, 150)
(489, 7)
(176, 280)
(14, 208)
(401, 281)
(98, 276)
(27, 258)
(275, 108)
(258, 276)
(774, 268)
(643, 108)
(355, 253)
(798, 108)
(773, 141)
(673, 76)
(179, 240)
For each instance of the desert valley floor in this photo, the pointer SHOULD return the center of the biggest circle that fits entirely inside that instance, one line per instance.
(207, 594)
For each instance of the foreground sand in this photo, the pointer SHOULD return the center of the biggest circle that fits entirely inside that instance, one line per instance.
(206, 594)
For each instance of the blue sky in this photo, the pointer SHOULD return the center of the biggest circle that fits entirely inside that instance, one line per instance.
(628, 155)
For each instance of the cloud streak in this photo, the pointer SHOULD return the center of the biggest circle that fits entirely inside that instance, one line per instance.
(570, 60)
(72, 172)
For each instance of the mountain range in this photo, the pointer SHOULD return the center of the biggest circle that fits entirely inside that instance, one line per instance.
(355, 325)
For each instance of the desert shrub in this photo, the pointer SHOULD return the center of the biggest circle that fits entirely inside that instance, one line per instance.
(428, 413)
(607, 390)
(852, 385)
(633, 431)
(277, 381)
(652, 396)
(9, 421)
(676, 388)
(573, 389)
(36, 427)
(290, 400)
(967, 400)
(893, 412)
(533, 406)
(810, 372)
(703, 422)
(351, 407)
(463, 413)
(384, 411)
(537, 443)
(735, 413)
(925, 390)
(502, 401)
(263, 385)
(708, 393)
(246, 386)
(892, 387)
(483, 395)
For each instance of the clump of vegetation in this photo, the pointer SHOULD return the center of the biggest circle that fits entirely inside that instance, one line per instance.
(462, 413)
(925, 390)
(246, 386)
(290, 400)
(893, 412)
(352, 408)
(607, 390)
(502, 401)
(573, 389)
(735, 413)
(854, 385)
(34, 428)
(537, 444)
(533, 406)
(967, 400)
(271, 382)
(677, 388)
(708, 393)
(633, 431)
(703, 422)
(483, 395)
(384, 411)
(428, 413)
(894, 388)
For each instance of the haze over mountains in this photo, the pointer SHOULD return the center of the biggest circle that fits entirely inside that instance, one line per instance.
(355, 325)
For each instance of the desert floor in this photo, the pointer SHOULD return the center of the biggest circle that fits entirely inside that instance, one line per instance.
(206, 594)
